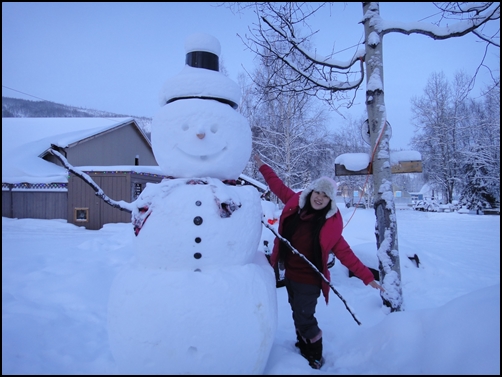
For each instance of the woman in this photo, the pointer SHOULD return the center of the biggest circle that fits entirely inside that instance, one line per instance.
(311, 222)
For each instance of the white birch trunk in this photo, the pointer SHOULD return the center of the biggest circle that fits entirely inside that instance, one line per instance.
(385, 211)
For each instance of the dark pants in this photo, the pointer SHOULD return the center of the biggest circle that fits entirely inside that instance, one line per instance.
(303, 301)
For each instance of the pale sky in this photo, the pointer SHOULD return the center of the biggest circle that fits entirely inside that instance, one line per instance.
(116, 56)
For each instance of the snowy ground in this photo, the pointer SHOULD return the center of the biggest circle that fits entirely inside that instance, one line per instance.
(56, 278)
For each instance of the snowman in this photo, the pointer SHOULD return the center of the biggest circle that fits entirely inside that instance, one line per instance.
(198, 298)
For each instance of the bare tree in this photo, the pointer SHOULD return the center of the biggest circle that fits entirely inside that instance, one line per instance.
(459, 138)
(331, 80)
(288, 129)
(436, 115)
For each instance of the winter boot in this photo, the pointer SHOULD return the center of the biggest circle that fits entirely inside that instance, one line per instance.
(313, 353)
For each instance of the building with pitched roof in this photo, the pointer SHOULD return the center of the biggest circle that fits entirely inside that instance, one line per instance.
(114, 152)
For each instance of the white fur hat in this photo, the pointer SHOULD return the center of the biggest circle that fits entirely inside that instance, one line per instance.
(323, 184)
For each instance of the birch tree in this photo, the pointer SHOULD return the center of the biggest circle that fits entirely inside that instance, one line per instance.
(332, 80)
(289, 130)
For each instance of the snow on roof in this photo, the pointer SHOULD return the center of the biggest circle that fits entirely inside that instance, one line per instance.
(24, 140)
(426, 189)
(129, 168)
(359, 161)
(20, 131)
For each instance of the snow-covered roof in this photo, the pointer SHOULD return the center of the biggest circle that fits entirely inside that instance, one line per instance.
(25, 140)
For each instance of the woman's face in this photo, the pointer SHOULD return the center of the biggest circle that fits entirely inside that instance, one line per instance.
(319, 200)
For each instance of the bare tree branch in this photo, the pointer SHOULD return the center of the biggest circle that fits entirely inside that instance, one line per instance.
(122, 205)
(470, 21)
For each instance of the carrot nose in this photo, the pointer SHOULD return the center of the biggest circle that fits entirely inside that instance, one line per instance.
(201, 135)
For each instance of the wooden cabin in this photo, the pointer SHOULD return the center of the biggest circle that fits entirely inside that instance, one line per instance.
(114, 152)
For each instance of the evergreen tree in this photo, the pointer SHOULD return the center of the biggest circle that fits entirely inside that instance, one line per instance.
(480, 189)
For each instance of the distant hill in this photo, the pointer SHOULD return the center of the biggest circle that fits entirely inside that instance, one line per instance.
(22, 108)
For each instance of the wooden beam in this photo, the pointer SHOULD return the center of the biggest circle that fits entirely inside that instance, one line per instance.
(407, 167)
(400, 167)
(341, 170)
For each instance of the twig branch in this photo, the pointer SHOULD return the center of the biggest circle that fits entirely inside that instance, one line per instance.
(122, 205)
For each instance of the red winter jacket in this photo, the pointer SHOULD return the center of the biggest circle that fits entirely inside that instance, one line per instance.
(331, 238)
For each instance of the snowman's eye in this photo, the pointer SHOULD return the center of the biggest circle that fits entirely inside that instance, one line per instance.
(184, 126)
(214, 128)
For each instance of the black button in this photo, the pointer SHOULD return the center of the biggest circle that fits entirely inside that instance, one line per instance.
(197, 220)
(198, 203)
(197, 239)
(197, 255)
(197, 270)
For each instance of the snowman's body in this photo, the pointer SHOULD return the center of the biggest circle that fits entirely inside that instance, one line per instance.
(178, 272)
(196, 243)
(205, 224)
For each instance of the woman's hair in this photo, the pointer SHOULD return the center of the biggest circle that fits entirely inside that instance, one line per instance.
(320, 219)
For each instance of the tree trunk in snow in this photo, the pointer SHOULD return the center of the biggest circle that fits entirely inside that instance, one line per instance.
(385, 211)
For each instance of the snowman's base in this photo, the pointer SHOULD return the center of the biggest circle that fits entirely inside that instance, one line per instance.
(185, 322)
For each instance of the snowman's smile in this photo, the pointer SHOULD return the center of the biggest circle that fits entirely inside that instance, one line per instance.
(203, 156)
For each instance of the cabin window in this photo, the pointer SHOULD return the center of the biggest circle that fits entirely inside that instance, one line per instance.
(137, 190)
(81, 214)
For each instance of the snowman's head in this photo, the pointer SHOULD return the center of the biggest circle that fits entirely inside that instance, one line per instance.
(198, 132)
(201, 138)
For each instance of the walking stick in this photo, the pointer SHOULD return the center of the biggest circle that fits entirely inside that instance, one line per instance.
(314, 267)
